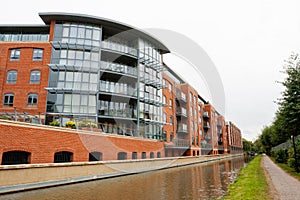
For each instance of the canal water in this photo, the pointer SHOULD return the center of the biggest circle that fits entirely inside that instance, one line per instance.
(200, 181)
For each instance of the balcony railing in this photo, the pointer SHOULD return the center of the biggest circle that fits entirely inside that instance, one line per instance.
(117, 88)
(181, 112)
(206, 125)
(180, 96)
(220, 141)
(118, 47)
(205, 145)
(207, 138)
(182, 128)
(115, 67)
(206, 115)
(220, 147)
(180, 142)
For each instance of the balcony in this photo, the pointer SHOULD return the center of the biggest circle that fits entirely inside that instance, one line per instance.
(220, 133)
(205, 115)
(119, 69)
(221, 147)
(205, 145)
(207, 138)
(182, 128)
(181, 142)
(206, 125)
(220, 141)
(180, 96)
(118, 47)
(181, 112)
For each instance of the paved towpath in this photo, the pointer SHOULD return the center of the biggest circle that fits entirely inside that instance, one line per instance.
(286, 186)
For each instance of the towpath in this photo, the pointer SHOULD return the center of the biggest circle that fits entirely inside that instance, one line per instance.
(282, 185)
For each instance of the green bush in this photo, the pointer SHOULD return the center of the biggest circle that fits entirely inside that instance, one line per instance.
(291, 162)
(291, 153)
(281, 155)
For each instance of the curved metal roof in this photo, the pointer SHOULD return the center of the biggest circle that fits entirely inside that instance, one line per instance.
(82, 18)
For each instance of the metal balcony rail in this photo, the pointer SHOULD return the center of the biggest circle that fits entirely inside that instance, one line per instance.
(205, 115)
(180, 142)
(116, 67)
(206, 125)
(119, 47)
(181, 112)
(220, 147)
(205, 145)
(180, 96)
(182, 128)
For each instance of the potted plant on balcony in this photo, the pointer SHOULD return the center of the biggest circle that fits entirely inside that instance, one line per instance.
(70, 124)
(87, 125)
(54, 123)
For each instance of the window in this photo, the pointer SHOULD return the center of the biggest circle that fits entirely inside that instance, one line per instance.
(164, 99)
(95, 156)
(37, 54)
(11, 76)
(15, 54)
(164, 136)
(151, 155)
(170, 102)
(170, 87)
(195, 100)
(144, 155)
(158, 155)
(171, 136)
(15, 157)
(171, 120)
(35, 76)
(134, 155)
(165, 117)
(32, 99)
(8, 99)
(191, 97)
(164, 82)
(63, 156)
(191, 111)
(122, 156)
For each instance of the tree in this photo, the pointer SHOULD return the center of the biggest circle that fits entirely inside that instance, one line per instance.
(266, 138)
(288, 116)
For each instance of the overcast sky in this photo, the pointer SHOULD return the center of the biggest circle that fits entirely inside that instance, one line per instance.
(247, 41)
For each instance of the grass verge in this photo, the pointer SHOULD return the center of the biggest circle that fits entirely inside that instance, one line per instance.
(251, 183)
(291, 171)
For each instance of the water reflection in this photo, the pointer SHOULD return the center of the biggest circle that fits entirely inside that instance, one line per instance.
(201, 181)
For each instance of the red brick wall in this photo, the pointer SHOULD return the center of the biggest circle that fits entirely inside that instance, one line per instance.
(43, 142)
(24, 66)
(170, 111)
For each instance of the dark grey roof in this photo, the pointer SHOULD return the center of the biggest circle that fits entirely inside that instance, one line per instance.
(81, 18)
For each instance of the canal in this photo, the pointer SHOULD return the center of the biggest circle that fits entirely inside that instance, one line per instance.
(200, 181)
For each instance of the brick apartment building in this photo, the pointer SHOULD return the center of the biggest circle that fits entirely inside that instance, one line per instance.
(103, 75)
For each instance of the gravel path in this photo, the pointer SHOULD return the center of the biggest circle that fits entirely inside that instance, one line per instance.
(286, 186)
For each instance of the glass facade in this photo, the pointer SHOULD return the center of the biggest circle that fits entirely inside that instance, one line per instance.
(106, 77)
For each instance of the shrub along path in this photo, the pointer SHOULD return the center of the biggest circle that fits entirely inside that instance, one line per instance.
(287, 187)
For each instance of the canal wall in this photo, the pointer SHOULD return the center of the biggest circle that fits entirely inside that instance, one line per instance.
(18, 178)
